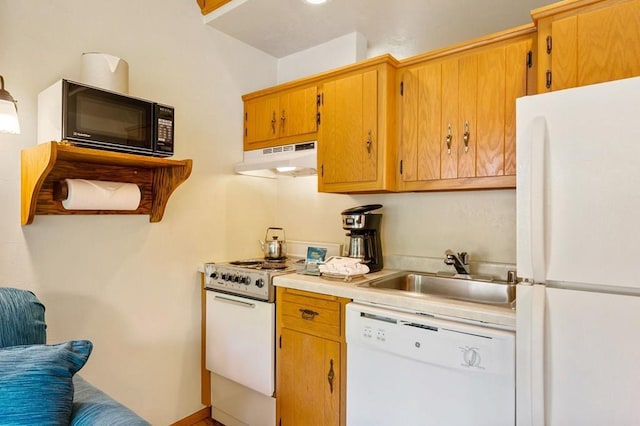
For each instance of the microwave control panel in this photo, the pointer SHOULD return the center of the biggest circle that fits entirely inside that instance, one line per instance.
(164, 130)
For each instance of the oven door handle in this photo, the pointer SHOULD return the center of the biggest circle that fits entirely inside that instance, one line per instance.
(235, 302)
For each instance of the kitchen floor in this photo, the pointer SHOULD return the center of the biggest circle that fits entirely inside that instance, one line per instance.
(208, 422)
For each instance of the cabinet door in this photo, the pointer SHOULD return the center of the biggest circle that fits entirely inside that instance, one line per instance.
(261, 120)
(309, 380)
(298, 112)
(349, 129)
(450, 116)
(519, 81)
(596, 46)
(467, 98)
(421, 105)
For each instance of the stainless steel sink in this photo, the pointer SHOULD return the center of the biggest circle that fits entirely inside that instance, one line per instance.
(474, 289)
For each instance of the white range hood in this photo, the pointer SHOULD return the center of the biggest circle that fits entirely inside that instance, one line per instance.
(293, 160)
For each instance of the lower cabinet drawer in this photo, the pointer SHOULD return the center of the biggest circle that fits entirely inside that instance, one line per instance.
(309, 314)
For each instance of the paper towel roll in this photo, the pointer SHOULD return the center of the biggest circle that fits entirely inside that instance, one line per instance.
(101, 195)
(105, 71)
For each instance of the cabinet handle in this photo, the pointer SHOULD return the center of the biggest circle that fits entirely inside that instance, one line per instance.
(273, 123)
(308, 314)
(369, 142)
(449, 139)
(466, 136)
(331, 375)
(282, 118)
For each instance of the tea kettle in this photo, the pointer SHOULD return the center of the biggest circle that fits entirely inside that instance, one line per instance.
(274, 248)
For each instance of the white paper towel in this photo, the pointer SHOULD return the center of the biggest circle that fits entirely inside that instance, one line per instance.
(101, 195)
(105, 71)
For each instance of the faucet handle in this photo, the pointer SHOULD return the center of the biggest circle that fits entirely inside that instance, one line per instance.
(464, 257)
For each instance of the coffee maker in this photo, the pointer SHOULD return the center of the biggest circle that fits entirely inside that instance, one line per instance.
(364, 240)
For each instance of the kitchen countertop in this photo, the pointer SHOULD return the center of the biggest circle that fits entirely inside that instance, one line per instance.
(504, 317)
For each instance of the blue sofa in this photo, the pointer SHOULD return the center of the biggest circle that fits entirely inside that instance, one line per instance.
(38, 384)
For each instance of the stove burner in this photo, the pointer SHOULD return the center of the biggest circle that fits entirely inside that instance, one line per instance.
(273, 265)
(275, 259)
(251, 262)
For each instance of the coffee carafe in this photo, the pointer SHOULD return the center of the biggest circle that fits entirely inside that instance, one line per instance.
(363, 238)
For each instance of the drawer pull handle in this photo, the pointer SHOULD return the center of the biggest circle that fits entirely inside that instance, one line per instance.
(308, 314)
(331, 375)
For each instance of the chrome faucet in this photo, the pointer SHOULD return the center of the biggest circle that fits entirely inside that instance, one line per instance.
(459, 261)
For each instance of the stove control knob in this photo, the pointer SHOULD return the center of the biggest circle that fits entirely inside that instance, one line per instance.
(234, 278)
(259, 283)
(242, 280)
(223, 276)
(247, 280)
(214, 275)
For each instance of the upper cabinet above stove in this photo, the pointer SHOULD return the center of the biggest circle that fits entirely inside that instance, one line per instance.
(280, 117)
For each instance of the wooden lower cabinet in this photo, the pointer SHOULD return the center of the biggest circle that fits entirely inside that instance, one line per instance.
(310, 359)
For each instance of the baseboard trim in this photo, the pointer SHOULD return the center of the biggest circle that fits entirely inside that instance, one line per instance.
(205, 413)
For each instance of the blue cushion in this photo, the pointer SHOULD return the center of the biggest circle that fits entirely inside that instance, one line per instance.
(21, 318)
(36, 386)
(92, 407)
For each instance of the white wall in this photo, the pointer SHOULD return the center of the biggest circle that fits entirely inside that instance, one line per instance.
(130, 286)
(413, 224)
(335, 53)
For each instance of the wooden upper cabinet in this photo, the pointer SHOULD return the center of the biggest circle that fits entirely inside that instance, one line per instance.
(583, 42)
(457, 113)
(355, 134)
(208, 6)
(286, 116)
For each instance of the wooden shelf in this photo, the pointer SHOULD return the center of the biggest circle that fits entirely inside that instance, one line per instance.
(44, 165)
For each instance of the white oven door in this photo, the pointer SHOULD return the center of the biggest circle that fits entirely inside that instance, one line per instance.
(241, 340)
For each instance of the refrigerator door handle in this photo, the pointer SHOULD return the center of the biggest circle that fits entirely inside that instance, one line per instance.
(538, 309)
(537, 199)
(530, 317)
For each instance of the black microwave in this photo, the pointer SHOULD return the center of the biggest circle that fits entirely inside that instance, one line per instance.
(96, 118)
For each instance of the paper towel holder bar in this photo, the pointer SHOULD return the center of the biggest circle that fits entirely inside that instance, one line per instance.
(61, 190)
(43, 166)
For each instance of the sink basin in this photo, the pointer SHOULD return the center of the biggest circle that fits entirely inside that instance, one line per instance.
(452, 287)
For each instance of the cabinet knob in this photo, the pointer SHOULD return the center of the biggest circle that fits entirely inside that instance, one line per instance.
(448, 139)
(273, 123)
(466, 136)
(308, 314)
(368, 143)
(331, 375)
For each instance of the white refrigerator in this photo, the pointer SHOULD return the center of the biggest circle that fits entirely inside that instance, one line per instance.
(578, 253)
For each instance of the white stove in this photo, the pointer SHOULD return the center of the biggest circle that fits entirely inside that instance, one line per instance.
(240, 334)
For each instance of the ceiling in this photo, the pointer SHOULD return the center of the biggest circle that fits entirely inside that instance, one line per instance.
(403, 28)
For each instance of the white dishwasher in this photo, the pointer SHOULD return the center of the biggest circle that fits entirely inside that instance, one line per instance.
(414, 369)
